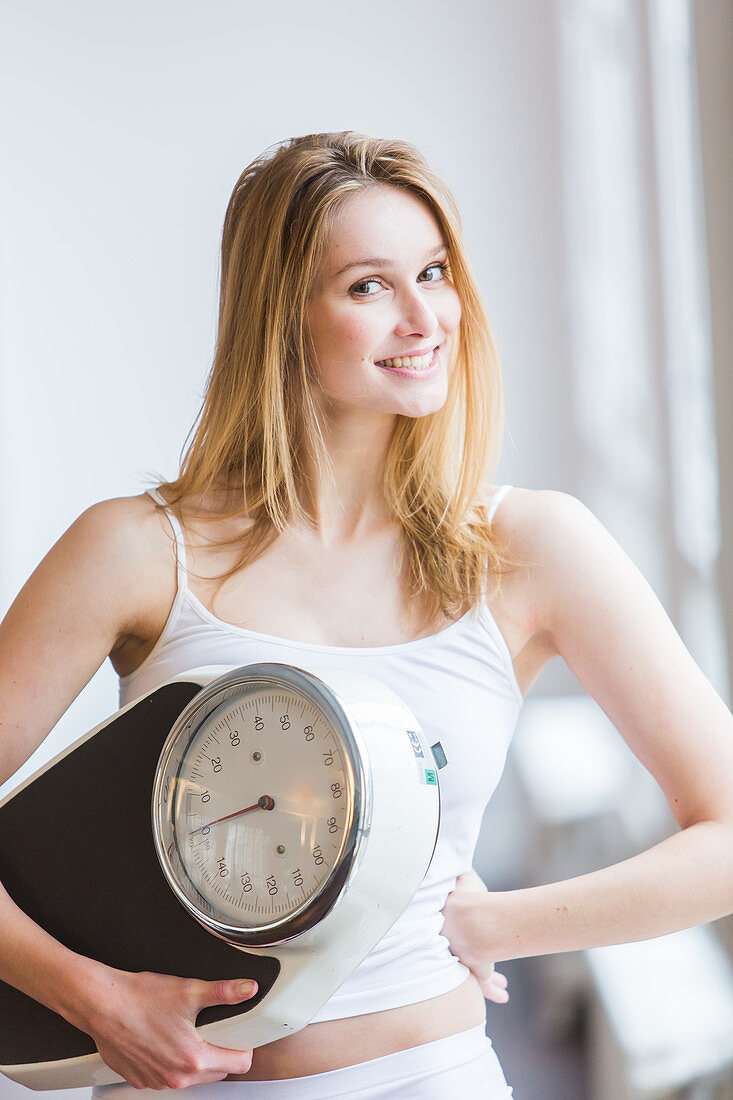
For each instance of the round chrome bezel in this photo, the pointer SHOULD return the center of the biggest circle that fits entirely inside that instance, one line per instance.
(356, 763)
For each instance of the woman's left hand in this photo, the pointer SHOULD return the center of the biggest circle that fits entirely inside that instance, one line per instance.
(459, 929)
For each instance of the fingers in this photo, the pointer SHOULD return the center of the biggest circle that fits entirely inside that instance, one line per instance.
(221, 1061)
(205, 1063)
(230, 1061)
(495, 988)
(187, 1061)
(497, 996)
(149, 1037)
(199, 1065)
(224, 992)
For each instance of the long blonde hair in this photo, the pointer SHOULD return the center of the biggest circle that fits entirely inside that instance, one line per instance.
(258, 418)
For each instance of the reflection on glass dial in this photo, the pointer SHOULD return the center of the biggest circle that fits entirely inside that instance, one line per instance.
(261, 804)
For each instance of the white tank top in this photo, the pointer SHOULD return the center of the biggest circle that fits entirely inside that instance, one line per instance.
(461, 686)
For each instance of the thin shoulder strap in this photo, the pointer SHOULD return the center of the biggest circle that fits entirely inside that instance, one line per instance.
(497, 498)
(181, 575)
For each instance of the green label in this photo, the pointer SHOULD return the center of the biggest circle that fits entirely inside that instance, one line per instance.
(431, 778)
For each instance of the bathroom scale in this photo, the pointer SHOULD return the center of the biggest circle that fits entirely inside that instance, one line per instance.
(261, 822)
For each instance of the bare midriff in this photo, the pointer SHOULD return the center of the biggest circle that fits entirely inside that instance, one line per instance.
(334, 1044)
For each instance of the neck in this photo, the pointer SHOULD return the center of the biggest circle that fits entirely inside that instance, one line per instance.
(346, 503)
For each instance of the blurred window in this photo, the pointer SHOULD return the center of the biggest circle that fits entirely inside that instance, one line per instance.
(638, 301)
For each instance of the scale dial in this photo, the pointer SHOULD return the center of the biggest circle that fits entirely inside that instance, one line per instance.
(258, 803)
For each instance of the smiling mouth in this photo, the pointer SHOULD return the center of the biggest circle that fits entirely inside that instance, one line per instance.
(409, 362)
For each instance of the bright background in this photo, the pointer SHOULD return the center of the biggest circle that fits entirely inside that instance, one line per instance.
(587, 143)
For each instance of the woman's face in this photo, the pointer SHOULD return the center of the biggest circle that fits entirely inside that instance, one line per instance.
(382, 293)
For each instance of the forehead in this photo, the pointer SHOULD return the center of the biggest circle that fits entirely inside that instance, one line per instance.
(381, 221)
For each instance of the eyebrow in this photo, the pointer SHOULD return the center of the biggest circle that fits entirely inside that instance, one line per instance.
(377, 261)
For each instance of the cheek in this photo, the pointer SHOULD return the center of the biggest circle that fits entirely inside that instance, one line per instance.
(452, 312)
(349, 337)
(336, 330)
(354, 331)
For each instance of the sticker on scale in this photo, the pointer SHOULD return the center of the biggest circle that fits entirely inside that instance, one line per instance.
(427, 776)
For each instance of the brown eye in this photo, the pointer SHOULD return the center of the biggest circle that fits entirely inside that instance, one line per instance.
(442, 268)
(365, 282)
(359, 292)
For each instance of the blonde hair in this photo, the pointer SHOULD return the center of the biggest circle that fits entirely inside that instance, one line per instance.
(258, 418)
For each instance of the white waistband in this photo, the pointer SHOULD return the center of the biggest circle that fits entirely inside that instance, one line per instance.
(427, 1058)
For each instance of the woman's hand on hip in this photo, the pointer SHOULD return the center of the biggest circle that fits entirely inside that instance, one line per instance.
(144, 1028)
(460, 928)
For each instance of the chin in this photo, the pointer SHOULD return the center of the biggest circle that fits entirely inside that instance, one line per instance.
(417, 408)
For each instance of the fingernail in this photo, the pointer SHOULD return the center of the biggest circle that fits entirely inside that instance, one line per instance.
(246, 987)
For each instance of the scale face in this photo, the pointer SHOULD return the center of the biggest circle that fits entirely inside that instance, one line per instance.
(258, 804)
(265, 821)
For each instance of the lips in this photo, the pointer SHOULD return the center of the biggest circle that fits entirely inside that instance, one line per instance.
(416, 354)
(425, 367)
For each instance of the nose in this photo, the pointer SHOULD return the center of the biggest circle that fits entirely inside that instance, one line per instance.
(416, 318)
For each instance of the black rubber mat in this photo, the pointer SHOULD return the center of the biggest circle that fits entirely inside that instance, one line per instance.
(77, 855)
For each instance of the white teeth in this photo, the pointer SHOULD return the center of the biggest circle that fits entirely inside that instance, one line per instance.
(415, 362)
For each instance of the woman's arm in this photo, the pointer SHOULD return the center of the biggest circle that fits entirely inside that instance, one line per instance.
(611, 630)
(93, 589)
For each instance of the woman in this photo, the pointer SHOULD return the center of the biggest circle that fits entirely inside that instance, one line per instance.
(333, 501)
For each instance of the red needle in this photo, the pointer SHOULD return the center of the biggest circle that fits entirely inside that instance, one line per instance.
(262, 803)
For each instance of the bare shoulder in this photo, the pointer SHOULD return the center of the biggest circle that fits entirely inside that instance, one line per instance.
(531, 520)
(539, 522)
(571, 556)
(126, 542)
(547, 531)
(119, 518)
(128, 530)
(139, 545)
(530, 517)
(104, 583)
